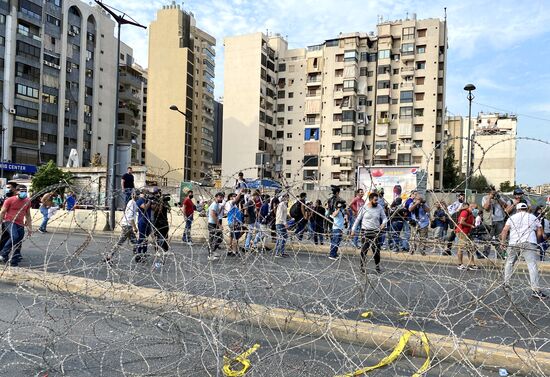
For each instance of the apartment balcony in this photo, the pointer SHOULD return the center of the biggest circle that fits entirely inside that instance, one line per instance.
(383, 121)
(314, 81)
(407, 85)
(407, 71)
(381, 152)
(407, 57)
(405, 148)
(346, 165)
(383, 92)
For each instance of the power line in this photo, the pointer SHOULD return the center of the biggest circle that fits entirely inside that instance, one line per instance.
(512, 112)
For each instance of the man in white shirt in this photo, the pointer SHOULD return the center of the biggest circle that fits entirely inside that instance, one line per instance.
(128, 226)
(524, 229)
(281, 226)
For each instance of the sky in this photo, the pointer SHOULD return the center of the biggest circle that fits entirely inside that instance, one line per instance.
(502, 47)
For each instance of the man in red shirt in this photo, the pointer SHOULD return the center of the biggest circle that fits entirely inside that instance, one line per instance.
(15, 214)
(188, 209)
(355, 206)
(465, 224)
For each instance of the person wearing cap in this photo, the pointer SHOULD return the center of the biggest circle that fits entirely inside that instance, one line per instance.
(215, 235)
(524, 229)
(15, 215)
(453, 210)
(128, 226)
(511, 208)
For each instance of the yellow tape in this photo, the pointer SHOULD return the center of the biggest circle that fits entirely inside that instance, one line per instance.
(398, 350)
(404, 314)
(366, 314)
(241, 359)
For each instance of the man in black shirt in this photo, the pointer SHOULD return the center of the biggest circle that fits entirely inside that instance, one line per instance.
(128, 185)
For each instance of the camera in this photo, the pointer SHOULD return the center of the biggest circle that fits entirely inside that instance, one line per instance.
(341, 204)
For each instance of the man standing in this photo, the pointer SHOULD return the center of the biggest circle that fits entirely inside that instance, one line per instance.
(493, 217)
(128, 225)
(15, 215)
(9, 191)
(441, 222)
(251, 216)
(524, 229)
(240, 184)
(235, 220)
(338, 221)
(281, 227)
(372, 220)
(464, 226)
(215, 234)
(398, 217)
(144, 213)
(188, 210)
(45, 204)
(420, 213)
(127, 184)
(511, 207)
(453, 210)
(299, 214)
(356, 204)
(70, 201)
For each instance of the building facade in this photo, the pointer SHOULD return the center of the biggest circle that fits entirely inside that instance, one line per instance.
(312, 116)
(58, 83)
(494, 147)
(180, 73)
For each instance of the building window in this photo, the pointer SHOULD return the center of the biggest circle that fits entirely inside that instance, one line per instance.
(289, 135)
(311, 134)
(419, 96)
(289, 122)
(337, 132)
(421, 65)
(350, 56)
(421, 49)
(348, 116)
(418, 143)
(405, 112)
(422, 33)
(30, 9)
(406, 96)
(27, 72)
(418, 112)
(2, 19)
(281, 94)
(361, 101)
(347, 145)
(407, 48)
(57, 3)
(393, 131)
(339, 57)
(369, 88)
(408, 33)
(290, 108)
(384, 84)
(49, 98)
(26, 91)
(289, 149)
(49, 118)
(371, 57)
(363, 71)
(336, 146)
(282, 67)
(53, 20)
(290, 94)
(382, 100)
(26, 114)
(420, 80)
(350, 85)
(418, 127)
(384, 69)
(384, 54)
(25, 49)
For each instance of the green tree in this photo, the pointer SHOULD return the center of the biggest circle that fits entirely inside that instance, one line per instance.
(479, 183)
(506, 186)
(48, 175)
(451, 174)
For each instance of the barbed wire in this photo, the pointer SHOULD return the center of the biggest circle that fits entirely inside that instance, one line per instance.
(50, 326)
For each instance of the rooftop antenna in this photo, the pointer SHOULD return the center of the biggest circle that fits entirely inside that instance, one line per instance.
(407, 16)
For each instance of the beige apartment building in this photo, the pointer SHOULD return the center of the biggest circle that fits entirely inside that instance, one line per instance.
(493, 147)
(180, 73)
(312, 116)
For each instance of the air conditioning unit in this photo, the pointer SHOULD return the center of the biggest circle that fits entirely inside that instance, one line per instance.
(69, 69)
(89, 132)
(12, 111)
(43, 143)
(67, 109)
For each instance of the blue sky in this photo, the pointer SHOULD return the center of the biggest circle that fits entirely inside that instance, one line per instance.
(503, 47)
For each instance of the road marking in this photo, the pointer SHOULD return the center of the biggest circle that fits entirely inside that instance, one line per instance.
(241, 359)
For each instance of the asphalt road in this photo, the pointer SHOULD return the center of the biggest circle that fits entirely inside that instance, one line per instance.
(439, 298)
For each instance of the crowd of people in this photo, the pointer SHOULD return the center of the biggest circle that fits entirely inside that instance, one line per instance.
(370, 222)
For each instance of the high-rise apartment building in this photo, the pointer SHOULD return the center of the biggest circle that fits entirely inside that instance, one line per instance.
(180, 73)
(314, 115)
(493, 147)
(58, 83)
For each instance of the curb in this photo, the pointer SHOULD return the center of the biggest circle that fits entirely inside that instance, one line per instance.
(487, 355)
(346, 250)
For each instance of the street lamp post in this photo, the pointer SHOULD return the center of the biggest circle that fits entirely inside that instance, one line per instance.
(175, 108)
(469, 88)
(120, 19)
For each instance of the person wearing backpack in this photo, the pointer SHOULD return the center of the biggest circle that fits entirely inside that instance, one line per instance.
(299, 214)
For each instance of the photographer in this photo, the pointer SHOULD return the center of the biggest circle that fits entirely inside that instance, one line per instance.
(420, 213)
(160, 207)
(338, 224)
(494, 217)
